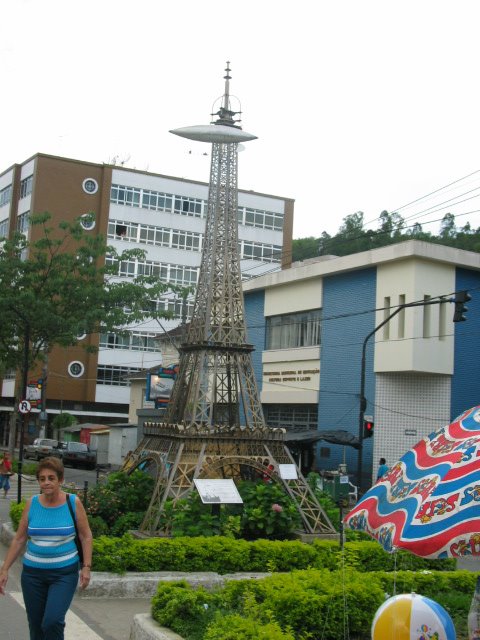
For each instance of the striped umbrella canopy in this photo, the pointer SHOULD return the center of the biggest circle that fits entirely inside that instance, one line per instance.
(429, 501)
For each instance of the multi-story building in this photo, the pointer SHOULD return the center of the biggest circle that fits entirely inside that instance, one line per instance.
(163, 215)
(308, 324)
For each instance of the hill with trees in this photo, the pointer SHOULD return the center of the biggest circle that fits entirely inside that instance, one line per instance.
(352, 237)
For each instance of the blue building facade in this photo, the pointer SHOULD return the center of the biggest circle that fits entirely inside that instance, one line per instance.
(421, 368)
(348, 317)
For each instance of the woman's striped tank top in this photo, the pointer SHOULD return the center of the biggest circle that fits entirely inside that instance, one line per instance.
(51, 534)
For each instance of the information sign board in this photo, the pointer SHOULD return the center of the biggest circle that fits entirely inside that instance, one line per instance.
(288, 471)
(218, 491)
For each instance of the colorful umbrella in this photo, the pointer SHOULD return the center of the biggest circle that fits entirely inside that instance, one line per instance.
(429, 501)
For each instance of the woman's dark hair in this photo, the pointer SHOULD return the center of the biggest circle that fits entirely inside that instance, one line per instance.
(54, 464)
(383, 461)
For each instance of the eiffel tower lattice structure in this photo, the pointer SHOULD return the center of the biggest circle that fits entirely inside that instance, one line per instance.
(214, 425)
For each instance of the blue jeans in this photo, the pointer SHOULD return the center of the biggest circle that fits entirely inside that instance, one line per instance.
(48, 594)
(4, 482)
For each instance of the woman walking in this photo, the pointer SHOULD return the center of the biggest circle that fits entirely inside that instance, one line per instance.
(5, 473)
(51, 563)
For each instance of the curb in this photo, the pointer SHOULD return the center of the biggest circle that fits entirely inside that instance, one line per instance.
(144, 627)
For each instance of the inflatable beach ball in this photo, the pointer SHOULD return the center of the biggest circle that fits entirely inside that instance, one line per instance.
(412, 617)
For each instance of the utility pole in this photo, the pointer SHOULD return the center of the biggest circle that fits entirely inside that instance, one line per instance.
(43, 400)
(363, 400)
(24, 420)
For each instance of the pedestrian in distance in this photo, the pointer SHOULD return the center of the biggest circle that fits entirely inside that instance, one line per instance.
(382, 468)
(5, 473)
(51, 565)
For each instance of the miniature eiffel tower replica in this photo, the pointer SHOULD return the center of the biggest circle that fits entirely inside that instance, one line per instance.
(214, 425)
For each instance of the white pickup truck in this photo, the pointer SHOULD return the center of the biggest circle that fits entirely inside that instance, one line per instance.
(41, 448)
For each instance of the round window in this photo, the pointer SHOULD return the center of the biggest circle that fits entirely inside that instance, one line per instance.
(76, 369)
(90, 185)
(87, 221)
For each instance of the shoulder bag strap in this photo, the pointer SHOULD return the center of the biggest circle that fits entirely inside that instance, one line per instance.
(77, 539)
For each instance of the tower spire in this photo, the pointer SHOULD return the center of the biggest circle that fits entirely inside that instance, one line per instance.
(226, 96)
(225, 113)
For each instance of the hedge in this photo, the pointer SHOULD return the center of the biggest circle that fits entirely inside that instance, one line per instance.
(227, 555)
(300, 605)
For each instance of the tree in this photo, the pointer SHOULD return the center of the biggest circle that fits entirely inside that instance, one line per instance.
(391, 226)
(62, 421)
(64, 284)
(448, 229)
(304, 248)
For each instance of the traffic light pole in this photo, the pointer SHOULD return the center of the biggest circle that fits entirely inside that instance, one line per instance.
(363, 400)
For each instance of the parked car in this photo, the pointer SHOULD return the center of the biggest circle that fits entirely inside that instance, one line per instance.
(78, 454)
(41, 448)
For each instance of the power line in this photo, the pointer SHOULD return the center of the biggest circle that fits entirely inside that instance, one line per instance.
(408, 204)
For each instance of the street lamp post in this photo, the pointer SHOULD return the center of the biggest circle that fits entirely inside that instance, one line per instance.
(363, 400)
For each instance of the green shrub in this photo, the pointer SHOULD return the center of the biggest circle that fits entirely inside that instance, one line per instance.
(28, 468)
(128, 521)
(185, 610)
(191, 517)
(98, 526)
(268, 512)
(280, 555)
(320, 603)
(109, 554)
(236, 627)
(16, 511)
(121, 494)
(226, 555)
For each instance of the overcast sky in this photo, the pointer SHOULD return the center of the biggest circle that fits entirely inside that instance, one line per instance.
(359, 105)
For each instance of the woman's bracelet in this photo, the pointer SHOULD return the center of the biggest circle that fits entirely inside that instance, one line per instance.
(86, 566)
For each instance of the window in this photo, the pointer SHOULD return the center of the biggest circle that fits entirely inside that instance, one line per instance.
(90, 186)
(189, 206)
(5, 195)
(26, 187)
(401, 316)
(129, 196)
(76, 369)
(115, 376)
(427, 317)
(158, 236)
(133, 341)
(177, 273)
(259, 251)
(442, 321)
(175, 307)
(386, 313)
(156, 200)
(293, 417)
(187, 240)
(293, 330)
(87, 221)
(155, 235)
(22, 223)
(258, 218)
(4, 226)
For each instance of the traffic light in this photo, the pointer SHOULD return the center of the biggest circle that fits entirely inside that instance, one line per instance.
(461, 297)
(368, 426)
